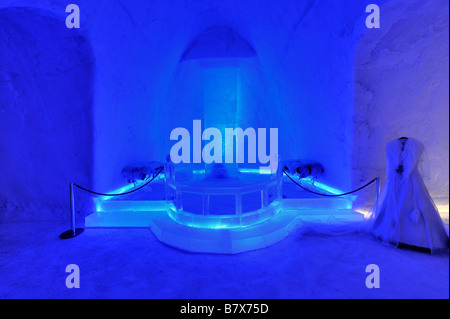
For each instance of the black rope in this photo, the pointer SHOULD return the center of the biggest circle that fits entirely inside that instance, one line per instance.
(131, 191)
(162, 167)
(330, 195)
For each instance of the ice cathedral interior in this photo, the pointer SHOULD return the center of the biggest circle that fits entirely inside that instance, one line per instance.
(207, 137)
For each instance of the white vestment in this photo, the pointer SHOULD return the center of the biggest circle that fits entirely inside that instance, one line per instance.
(405, 212)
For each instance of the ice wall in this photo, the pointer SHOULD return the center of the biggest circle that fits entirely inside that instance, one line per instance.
(46, 77)
(401, 89)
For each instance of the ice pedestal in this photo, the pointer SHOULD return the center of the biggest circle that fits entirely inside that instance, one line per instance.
(218, 201)
(220, 215)
(222, 241)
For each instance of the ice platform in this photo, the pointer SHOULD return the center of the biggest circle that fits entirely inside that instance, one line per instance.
(151, 209)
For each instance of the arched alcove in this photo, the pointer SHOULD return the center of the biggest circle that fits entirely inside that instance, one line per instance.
(218, 42)
(220, 81)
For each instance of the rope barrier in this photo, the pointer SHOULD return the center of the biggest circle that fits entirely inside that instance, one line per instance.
(125, 193)
(73, 232)
(330, 195)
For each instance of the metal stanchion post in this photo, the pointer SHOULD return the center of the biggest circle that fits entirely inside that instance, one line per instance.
(73, 232)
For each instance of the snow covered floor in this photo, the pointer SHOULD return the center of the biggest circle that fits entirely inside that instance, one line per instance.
(131, 263)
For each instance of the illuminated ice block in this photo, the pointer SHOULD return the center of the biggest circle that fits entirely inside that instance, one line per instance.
(222, 202)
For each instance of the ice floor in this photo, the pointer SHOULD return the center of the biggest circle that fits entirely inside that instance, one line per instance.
(132, 263)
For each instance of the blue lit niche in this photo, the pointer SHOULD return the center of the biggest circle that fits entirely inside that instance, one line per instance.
(220, 56)
(218, 68)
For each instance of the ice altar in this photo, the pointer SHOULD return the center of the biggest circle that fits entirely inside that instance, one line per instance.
(216, 200)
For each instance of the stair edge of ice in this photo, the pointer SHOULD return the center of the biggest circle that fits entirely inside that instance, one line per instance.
(132, 214)
(287, 203)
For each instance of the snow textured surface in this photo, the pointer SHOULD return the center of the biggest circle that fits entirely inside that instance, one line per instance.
(401, 89)
(131, 263)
